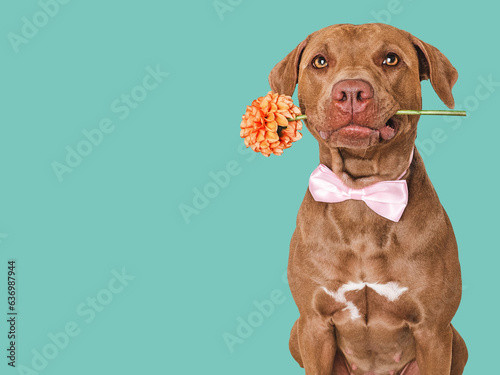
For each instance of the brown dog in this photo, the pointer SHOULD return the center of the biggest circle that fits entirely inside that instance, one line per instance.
(375, 296)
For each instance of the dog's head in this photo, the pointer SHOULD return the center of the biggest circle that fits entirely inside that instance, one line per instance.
(353, 78)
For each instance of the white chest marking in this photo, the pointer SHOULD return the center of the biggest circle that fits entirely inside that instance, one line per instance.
(392, 291)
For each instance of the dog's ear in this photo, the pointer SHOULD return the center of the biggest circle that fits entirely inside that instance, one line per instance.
(285, 74)
(434, 65)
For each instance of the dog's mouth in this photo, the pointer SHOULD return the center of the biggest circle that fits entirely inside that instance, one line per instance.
(389, 130)
(356, 132)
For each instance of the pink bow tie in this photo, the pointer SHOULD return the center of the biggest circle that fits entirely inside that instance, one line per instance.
(386, 198)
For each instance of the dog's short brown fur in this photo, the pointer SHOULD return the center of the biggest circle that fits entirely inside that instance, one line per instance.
(338, 243)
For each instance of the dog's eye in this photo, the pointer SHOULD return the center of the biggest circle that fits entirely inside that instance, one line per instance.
(319, 62)
(391, 59)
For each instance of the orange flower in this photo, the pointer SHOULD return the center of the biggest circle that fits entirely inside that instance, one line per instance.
(265, 126)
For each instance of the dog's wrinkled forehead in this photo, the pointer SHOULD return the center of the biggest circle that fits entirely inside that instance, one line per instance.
(352, 46)
(359, 45)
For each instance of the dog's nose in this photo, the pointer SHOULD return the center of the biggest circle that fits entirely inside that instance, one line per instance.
(352, 95)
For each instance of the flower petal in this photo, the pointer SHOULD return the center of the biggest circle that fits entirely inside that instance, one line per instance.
(261, 121)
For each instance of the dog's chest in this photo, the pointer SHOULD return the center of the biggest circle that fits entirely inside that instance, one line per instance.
(370, 318)
(361, 303)
(359, 274)
(364, 290)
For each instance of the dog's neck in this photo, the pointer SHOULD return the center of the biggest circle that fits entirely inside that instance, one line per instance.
(361, 168)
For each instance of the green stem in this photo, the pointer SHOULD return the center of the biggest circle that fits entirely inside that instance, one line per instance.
(301, 117)
(424, 112)
(407, 112)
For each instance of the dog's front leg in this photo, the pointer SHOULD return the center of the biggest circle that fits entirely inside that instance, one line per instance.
(316, 344)
(434, 349)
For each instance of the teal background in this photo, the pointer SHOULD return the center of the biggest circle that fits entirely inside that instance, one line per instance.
(120, 207)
